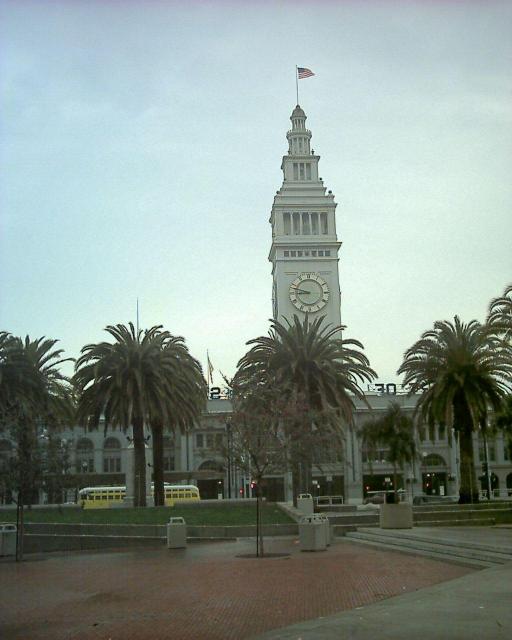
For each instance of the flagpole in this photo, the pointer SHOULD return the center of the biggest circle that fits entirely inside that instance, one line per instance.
(297, 82)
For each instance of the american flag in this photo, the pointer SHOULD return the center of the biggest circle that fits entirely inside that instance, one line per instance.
(210, 368)
(304, 73)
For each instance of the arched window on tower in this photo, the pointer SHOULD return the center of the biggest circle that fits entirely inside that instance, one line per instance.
(323, 223)
(305, 224)
(314, 224)
(111, 456)
(287, 227)
(296, 224)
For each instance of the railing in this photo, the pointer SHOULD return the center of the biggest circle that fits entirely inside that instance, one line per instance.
(328, 500)
(496, 494)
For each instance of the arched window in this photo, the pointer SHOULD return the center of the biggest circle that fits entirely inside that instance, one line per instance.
(434, 460)
(111, 456)
(84, 461)
(211, 465)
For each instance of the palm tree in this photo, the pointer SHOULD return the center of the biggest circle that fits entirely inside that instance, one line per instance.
(143, 378)
(120, 381)
(19, 384)
(184, 398)
(34, 394)
(395, 431)
(500, 314)
(316, 372)
(461, 370)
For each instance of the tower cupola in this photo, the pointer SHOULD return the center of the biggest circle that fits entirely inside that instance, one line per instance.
(298, 137)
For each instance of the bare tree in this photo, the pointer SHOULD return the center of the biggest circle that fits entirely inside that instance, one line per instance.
(257, 445)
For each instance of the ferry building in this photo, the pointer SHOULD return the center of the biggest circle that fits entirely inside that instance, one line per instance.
(305, 258)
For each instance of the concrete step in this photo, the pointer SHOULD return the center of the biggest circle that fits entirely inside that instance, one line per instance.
(358, 519)
(435, 555)
(473, 522)
(452, 551)
(441, 538)
(493, 504)
(342, 529)
(461, 514)
(431, 517)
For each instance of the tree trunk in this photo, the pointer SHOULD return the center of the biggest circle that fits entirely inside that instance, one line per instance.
(468, 489)
(139, 451)
(259, 531)
(295, 467)
(158, 464)
(306, 475)
(19, 527)
(260, 527)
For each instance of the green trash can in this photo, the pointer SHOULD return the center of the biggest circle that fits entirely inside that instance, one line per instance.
(7, 539)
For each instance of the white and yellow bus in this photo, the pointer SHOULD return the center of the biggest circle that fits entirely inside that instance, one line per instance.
(105, 497)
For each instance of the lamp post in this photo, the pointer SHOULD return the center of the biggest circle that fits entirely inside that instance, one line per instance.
(487, 472)
(229, 435)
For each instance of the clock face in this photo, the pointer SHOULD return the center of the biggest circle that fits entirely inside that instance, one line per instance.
(309, 292)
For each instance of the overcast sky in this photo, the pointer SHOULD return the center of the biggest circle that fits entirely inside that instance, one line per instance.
(141, 145)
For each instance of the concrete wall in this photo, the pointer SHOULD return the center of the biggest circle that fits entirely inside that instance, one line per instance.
(44, 537)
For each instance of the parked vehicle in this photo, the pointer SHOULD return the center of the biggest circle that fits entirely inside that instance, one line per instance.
(105, 497)
(378, 497)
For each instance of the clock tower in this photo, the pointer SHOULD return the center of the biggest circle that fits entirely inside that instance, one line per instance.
(304, 252)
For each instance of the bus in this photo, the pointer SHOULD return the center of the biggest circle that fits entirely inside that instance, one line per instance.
(106, 497)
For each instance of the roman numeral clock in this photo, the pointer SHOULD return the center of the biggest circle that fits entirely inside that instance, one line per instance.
(304, 252)
(309, 292)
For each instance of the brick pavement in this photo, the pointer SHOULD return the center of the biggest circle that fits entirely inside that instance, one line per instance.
(202, 593)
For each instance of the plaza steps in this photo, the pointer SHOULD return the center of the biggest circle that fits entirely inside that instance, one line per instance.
(484, 514)
(426, 515)
(470, 554)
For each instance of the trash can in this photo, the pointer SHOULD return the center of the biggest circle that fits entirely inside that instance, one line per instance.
(312, 534)
(176, 533)
(7, 539)
(305, 503)
(328, 531)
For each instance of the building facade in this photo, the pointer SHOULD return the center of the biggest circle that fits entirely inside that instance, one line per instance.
(202, 457)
